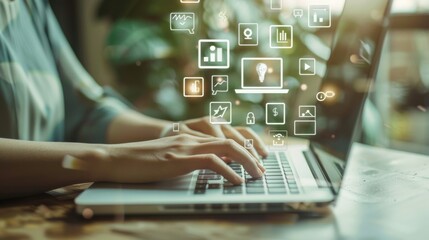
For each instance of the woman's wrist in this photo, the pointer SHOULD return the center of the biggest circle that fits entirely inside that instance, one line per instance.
(92, 161)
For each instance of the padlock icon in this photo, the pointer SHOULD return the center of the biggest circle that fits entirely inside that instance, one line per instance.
(250, 119)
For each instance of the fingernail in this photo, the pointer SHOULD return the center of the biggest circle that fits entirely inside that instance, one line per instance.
(260, 173)
(239, 179)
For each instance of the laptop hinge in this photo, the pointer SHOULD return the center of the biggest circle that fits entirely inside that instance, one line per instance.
(321, 180)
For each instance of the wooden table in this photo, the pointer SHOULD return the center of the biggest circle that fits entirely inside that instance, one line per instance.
(384, 196)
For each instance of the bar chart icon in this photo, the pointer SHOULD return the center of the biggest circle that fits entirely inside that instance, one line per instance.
(213, 54)
(216, 55)
(281, 36)
(319, 16)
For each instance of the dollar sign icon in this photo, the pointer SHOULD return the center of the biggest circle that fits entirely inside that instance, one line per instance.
(275, 112)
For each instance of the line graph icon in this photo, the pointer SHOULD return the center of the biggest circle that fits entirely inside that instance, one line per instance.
(219, 84)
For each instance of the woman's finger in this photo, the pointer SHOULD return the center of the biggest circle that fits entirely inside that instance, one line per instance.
(186, 130)
(203, 125)
(212, 162)
(258, 143)
(233, 134)
(232, 150)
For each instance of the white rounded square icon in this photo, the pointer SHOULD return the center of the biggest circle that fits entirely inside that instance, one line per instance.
(213, 54)
(248, 34)
(281, 36)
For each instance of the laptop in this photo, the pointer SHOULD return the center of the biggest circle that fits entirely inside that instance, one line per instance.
(267, 79)
(309, 173)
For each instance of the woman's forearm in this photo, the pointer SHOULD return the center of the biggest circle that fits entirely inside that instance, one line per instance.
(33, 167)
(134, 127)
(28, 167)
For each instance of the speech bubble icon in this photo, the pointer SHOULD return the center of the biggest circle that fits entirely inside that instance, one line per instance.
(182, 21)
(298, 13)
(219, 84)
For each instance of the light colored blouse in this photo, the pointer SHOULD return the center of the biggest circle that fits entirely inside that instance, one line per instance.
(45, 93)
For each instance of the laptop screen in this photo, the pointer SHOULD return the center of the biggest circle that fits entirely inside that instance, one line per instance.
(262, 73)
(350, 71)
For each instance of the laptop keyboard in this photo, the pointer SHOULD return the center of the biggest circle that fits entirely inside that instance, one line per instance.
(278, 179)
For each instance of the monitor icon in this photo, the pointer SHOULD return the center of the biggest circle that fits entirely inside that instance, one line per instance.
(213, 54)
(262, 75)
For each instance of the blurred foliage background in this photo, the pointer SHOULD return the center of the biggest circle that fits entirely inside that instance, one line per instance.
(127, 44)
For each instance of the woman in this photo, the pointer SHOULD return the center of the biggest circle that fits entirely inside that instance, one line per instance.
(48, 99)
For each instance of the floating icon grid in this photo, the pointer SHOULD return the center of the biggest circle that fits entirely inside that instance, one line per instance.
(259, 74)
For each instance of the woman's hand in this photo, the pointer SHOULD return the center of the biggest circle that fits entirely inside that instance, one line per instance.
(202, 127)
(173, 156)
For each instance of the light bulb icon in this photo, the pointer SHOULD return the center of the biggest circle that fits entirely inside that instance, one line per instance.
(261, 69)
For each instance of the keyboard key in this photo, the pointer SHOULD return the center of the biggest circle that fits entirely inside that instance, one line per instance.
(294, 191)
(291, 181)
(200, 186)
(215, 186)
(255, 190)
(273, 170)
(271, 165)
(290, 176)
(276, 185)
(207, 171)
(252, 179)
(255, 187)
(199, 191)
(274, 177)
(209, 177)
(236, 190)
(272, 181)
(279, 174)
(255, 184)
(277, 190)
